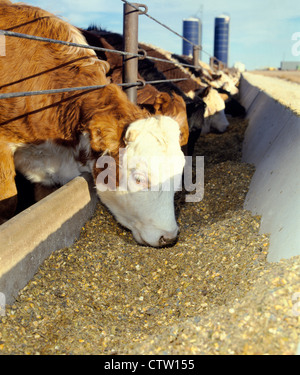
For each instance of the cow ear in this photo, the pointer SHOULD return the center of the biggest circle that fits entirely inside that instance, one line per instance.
(96, 137)
(130, 135)
(215, 77)
(224, 96)
(162, 103)
(105, 135)
(205, 92)
(105, 66)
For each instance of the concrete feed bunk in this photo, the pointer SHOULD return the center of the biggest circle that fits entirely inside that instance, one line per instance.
(272, 144)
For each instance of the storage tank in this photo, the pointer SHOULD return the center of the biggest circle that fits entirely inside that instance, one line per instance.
(221, 44)
(191, 31)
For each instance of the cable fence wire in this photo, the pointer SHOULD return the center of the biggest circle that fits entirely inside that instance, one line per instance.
(86, 46)
(70, 44)
(172, 31)
(84, 88)
(96, 48)
(160, 23)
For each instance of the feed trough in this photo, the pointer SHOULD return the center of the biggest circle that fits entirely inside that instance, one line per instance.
(213, 292)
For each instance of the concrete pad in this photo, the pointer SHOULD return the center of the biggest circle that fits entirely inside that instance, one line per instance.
(31, 236)
(272, 144)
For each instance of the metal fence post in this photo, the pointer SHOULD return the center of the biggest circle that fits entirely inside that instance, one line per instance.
(196, 53)
(130, 37)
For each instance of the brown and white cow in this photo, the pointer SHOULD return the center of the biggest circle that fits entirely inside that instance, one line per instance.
(53, 138)
(148, 71)
(214, 114)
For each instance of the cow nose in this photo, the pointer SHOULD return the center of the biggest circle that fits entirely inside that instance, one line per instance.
(163, 241)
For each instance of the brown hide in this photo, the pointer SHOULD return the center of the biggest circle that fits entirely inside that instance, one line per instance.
(148, 96)
(28, 65)
(171, 71)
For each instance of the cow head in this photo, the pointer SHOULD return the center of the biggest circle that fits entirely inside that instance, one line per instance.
(214, 115)
(148, 172)
(225, 82)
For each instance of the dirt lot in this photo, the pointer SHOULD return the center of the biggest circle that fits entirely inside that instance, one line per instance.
(292, 76)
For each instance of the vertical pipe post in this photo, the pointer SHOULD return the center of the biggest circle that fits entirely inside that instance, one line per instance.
(196, 53)
(130, 37)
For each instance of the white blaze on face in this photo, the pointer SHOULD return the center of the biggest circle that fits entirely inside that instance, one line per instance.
(150, 173)
(214, 115)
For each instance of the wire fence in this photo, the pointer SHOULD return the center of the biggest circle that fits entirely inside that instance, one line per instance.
(69, 44)
(84, 88)
(95, 48)
(102, 49)
(171, 30)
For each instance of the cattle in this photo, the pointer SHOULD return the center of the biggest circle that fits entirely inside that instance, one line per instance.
(233, 107)
(173, 70)
(214, 115)
(205, 106)
(53, 138)
(203, 90)
(217, 79)
(148, 72)
(148, 96)
(224, 83)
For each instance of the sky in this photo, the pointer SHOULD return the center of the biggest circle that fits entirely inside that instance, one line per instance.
(262, 32)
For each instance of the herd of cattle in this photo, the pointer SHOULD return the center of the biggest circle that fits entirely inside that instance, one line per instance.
(50, 139)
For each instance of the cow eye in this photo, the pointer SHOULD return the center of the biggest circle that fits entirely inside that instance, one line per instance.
(140, 179)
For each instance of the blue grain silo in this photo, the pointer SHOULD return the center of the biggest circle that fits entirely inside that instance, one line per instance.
(191, 31)
(221, 45)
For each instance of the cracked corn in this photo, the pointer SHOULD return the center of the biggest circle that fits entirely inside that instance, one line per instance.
(211, 293)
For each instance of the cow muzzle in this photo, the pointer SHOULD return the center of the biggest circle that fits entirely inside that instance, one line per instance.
(168, 238)
(165, 241)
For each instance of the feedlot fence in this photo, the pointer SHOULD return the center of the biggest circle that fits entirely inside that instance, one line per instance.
(131, 54)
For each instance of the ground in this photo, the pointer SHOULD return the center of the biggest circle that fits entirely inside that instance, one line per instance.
(291, 76)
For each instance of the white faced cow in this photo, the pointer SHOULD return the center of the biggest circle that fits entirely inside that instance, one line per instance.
(150, 172)
(214, 113)
(53, 138)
